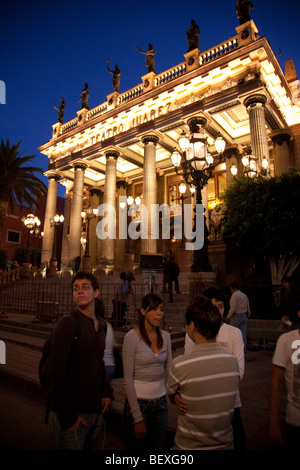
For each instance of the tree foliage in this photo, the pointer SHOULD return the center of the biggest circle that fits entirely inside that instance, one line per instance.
(262, 216)
(19, 184)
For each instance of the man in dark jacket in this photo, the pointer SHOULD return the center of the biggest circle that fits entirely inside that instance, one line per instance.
(80, 387)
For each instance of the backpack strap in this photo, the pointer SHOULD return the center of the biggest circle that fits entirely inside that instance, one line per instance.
(48, 405)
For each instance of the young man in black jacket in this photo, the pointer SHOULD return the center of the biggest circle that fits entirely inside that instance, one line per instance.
(80, 387)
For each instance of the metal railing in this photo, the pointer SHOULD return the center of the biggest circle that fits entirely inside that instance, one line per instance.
(51, 299)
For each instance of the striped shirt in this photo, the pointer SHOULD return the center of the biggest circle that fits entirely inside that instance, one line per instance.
(208, 380)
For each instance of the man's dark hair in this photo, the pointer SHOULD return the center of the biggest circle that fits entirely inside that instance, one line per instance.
(214, 293)
(234, 285)
(86, 275)
(205, 316)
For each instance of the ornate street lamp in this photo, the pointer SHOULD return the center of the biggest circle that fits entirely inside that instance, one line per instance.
(249, 162)
(36, 232)
(197, 166)
(31, 222)
(54, 222)
(88, 214)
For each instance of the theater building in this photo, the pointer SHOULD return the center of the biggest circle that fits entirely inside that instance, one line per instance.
(123, 147)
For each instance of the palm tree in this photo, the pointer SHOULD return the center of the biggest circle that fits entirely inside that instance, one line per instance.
(18, 184)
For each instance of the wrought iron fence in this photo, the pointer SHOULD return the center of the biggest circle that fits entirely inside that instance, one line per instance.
(50, 299)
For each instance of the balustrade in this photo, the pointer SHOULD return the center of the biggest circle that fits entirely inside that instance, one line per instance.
(165, 77)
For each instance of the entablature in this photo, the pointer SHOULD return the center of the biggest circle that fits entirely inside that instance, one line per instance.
(215, 82)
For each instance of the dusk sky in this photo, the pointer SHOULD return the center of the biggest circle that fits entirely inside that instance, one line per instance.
(49, 49)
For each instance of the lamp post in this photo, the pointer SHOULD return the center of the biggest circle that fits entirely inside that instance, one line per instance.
(249, 162)
(54, 222)
(197, 166)
(30, 221)
(182, 189)
(35, 231)
(86, 261)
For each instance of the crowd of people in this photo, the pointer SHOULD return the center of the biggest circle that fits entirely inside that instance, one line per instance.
(203, 382)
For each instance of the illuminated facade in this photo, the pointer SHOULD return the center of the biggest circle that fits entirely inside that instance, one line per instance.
(123, 147)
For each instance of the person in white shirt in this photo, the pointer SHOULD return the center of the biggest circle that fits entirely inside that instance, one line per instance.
(239, 311)
(231, 339)
(286, 368)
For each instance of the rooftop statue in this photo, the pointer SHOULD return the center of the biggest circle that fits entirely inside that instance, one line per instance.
(61, 110)
(116, 76)
(150, 53)
(84, 97)
(242, 9)
(192, 35)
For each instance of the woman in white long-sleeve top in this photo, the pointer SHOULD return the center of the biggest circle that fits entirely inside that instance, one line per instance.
(147, 356)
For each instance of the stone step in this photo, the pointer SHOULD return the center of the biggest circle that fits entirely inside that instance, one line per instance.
(29, 335)
(25, 331)
(31, 342)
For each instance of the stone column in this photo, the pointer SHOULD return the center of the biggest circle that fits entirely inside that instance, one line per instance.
(109, 197)
(76, 209)
(282, 160)
(48, 237)
(121, 217)
(66, 228)
(149, 245)
(94, 203)
(259, 142)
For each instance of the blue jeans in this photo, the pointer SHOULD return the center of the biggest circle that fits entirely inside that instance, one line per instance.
(155, 414)
(240, 320)
(84, 438)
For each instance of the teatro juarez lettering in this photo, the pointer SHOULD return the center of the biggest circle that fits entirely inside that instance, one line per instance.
(123, 122)
(132, 123)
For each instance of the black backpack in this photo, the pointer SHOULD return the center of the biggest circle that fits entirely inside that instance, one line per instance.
(44, 361)
(44, 375)
(44, 365)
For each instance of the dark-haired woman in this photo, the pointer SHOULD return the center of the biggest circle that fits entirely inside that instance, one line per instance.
(147, 357)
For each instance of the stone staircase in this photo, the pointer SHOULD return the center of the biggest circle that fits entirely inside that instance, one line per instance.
(20, 328)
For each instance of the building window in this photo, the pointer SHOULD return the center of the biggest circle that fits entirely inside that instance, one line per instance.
(215, 188)
(13, 236)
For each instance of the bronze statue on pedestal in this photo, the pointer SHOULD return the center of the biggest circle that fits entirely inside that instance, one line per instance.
(192, 35)
(116, 76)
(242, 9)
(150, 61)
(61, 110)
(84, 97)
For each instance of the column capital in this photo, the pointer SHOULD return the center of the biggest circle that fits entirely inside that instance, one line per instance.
(95, 191)
(147, 139)
(252, 100)
(231, 152)
(79, 166)
(53, 176)
(280, 138)
(196, 121)
(112, 153)
(122, 184)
